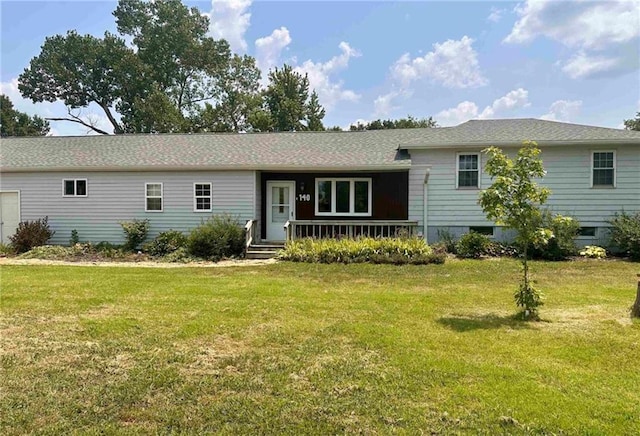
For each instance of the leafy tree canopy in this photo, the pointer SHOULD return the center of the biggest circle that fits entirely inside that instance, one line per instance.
(288, 101)
(402, 123)
(633, 124)
(16, 123)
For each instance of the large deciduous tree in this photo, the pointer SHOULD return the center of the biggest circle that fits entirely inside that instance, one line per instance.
(514, 200)
(16, 123)
(289, 104)
(633, 124)
(171, 55)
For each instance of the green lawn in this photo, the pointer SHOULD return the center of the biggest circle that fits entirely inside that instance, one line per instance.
(323, 349)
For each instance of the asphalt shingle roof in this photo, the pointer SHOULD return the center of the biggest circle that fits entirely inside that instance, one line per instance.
(300, 150)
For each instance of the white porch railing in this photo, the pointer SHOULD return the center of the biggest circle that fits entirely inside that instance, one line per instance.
(296, 229)
(250, 233)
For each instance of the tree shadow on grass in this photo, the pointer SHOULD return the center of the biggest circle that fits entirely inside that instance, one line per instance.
(467, 323)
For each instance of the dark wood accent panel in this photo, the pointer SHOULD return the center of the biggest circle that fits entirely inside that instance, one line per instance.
(390, 194)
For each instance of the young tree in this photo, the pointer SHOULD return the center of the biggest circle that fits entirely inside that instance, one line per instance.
(633, 124)
(514, 200)
(315, 114)
(16, 123)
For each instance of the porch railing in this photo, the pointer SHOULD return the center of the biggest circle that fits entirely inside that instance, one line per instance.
(296, 229)
(250, 230)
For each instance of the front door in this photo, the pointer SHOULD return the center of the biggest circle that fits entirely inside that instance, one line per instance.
(280, 208)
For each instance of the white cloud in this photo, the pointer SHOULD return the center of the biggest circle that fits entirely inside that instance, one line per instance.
(463, 112)
(453, 64)
(514, 99)
(496, 14)
(269, 49)
(383, 104)
(330, 91)
(468, 110)
(580, 24)
(586, 26)
(582, 65)
(230, 19)
(563, 110)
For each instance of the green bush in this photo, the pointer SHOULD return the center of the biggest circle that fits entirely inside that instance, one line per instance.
(473, 245)
(562, 244)
(31, 234)
(625, 233)
(217, 238)
(75, 239)
(6, 250)
(396, 251)
(135, 233)
(593, 252)
(181, 255)
(165, 243)
(447, 239)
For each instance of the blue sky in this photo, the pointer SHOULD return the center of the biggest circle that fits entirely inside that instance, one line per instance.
(575, 61)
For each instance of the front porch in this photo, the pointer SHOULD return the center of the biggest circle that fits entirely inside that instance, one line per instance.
(256, 248)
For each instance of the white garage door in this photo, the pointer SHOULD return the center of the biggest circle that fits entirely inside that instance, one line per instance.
(9, 215)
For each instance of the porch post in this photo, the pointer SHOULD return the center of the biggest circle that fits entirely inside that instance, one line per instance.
(425, 211)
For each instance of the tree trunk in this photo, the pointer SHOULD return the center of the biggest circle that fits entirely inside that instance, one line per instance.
(635, 309)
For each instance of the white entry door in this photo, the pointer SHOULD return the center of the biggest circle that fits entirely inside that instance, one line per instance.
(9, 215)
(280, 208)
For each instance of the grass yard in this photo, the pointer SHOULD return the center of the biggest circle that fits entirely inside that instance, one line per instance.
(322, 349)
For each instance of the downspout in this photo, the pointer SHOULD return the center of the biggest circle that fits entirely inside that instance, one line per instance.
(425, 205)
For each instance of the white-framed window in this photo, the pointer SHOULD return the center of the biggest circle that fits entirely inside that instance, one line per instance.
(603, 169)
(74, 187)
(202, 197)
(153, 197)
(343, 197)
(467, 170)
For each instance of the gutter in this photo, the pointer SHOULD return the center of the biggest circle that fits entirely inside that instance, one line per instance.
(541, 143)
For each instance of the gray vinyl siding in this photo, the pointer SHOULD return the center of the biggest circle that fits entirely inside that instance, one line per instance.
(568, 176)
(120, 196)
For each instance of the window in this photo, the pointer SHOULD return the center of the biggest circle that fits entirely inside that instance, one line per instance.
(153, 197)
(603, 165)
(74, 188)
(587, 232)
(202, 197)
(343, 197)
(468, 170)
(483, 230)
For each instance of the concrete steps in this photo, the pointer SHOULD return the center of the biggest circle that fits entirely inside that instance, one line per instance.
(264, 250)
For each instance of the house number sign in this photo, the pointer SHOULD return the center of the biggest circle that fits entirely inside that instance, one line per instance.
(304, 197)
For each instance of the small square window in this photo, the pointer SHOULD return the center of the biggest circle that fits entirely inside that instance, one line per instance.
(74, 188)
(587, 231)
(483, 230)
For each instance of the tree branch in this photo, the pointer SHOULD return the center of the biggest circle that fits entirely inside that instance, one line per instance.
(117, 129)
(76, 119)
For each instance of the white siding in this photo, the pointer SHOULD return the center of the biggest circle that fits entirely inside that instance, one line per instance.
(120, 196)
(568, 177)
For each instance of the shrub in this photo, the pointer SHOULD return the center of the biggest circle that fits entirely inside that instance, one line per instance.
(181, 255)
(217, 238)
(165, 243)
(593, 252)
(6, 250)
(561, 244)
(625, 233)
(446, 238)
(135, 233)
(31, 234)
(473, 245)
(74, 237)
(396, 251)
